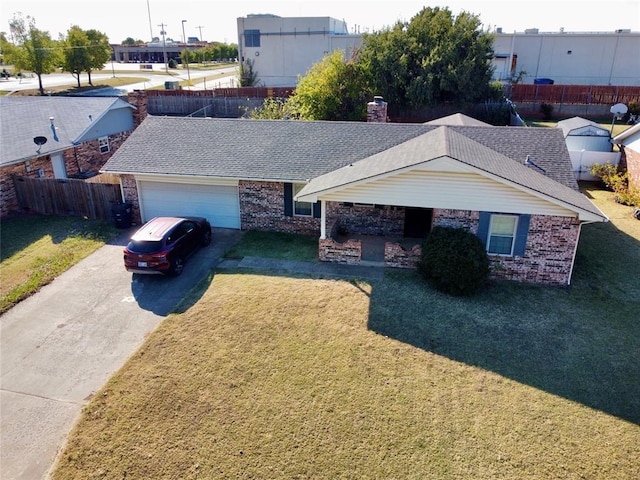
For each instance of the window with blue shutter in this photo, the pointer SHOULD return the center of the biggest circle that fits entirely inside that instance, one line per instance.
(504, 234)
(293, 207)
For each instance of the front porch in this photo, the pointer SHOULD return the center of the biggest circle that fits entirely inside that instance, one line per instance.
(370, 250)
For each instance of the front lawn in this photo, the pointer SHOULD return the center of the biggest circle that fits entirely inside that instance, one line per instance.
(36, 249)
(289, 376)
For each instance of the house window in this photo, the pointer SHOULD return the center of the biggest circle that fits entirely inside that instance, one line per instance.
(252, 38)
(304, 209)
(502, 234)
(103, 143)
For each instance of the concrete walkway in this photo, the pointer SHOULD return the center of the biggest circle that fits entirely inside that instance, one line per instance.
(320, 268)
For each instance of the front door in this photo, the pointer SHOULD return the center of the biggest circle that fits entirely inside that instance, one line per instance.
(417, 222)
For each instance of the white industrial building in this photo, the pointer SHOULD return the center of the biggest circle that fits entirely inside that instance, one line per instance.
(568, 58)
(284, 48)
(281, 48)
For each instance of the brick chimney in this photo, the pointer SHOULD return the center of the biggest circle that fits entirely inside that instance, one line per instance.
(377, 110)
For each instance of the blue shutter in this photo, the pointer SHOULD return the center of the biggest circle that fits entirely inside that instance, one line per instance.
(317, 212)
(288, 199)
(483, 227)
(521, 235)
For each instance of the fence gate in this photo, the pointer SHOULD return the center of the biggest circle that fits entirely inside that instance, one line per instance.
(56, 196)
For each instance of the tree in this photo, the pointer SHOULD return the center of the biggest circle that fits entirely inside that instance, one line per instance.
(248, 76)
(76, 55)
(85, 51)
(333, 89)
(271, 109)
(33, 50)
(433, 58)
(99, 51)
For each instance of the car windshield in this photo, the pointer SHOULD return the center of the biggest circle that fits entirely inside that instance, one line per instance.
(144, 247)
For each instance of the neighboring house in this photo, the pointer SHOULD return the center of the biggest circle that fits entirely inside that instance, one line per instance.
(512, 186)
(57, 137)
(588, 143)
(629, 144)
(282, 48)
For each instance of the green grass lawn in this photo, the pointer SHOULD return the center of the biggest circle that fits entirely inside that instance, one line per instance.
(36, 249)
(290, 376)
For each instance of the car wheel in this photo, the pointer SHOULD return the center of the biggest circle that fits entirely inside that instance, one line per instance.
(206, 237)
(177, 265)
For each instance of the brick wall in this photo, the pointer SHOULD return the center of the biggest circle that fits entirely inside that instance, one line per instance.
(262, 208)
(87, 157)
(367, 220)
(396, 256)
(548, 255)
(456, 218)
(348, 252)
(138, 99)
(632, 158)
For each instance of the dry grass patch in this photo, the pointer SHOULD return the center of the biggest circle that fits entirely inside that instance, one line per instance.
(284, 377)
(36, 249)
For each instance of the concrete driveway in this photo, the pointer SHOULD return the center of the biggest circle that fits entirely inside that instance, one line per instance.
(60, 346)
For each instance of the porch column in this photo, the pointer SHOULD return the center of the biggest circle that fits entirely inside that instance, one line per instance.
(323, 220)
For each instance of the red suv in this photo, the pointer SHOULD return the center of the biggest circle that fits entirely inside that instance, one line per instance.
(163, 244)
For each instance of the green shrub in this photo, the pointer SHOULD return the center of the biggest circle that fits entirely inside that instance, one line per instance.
(454, 260)
(172, 63)
(618, 182)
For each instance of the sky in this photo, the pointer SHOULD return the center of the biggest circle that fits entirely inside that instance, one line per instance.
(215, 20)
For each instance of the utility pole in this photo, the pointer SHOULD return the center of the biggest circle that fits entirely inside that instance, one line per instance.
(187, 55)
(164, 48)
(200, 27)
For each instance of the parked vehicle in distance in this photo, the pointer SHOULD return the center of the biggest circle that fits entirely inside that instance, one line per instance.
(162, 245)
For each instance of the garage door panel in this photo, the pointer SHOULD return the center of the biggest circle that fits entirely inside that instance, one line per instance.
(218, 203)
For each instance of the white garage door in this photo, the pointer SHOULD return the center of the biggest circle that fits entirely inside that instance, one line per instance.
(217, 203)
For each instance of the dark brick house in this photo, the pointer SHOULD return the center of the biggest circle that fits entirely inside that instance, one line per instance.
(346, 182)
(58, 137)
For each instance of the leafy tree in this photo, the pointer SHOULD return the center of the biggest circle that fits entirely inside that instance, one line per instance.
(34, 50)
(75, 55)
(333, 89)
(99, 51)
(433, 58)
(272, 109)
(85, 51)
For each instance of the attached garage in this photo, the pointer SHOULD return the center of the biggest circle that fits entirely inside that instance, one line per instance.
(218, 202)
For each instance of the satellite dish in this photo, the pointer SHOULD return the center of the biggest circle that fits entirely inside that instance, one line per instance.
(39, 140)
(619, 109)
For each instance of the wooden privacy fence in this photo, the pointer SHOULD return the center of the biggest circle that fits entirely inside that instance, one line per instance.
(575, 94)
(54, 196)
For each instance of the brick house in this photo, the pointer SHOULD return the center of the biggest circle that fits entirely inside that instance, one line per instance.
(57, 137)
(350, 182)
(629, 144)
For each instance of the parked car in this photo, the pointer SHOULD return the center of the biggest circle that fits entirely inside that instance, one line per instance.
(162, 245)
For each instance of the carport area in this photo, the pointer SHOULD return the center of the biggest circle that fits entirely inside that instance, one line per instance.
(60, 346)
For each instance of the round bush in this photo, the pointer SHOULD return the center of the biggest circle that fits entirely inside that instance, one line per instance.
(454, 260)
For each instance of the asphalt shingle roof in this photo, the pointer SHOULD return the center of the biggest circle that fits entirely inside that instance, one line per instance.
(26, 117)
(300, 151)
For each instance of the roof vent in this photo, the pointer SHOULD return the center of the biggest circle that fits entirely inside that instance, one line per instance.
(530, 162)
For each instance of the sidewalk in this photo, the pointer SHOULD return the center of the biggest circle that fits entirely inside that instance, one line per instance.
(320, 268)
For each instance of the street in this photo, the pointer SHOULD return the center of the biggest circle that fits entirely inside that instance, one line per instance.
(201, 79)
